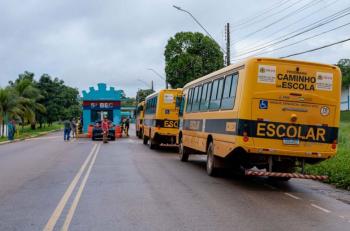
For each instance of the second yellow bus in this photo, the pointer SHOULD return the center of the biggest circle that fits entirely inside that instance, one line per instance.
(161, 120)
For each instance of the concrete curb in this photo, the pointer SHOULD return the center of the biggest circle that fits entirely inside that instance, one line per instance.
(29, 137)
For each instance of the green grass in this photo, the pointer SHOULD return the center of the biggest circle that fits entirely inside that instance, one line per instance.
(345, 116)
(27, 132)
(338, 167)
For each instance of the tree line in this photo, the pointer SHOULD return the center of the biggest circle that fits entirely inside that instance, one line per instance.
(33, 102)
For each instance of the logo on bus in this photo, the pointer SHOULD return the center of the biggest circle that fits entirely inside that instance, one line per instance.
(325, 111)
(264, 104)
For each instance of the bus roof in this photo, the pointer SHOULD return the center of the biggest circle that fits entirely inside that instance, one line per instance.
(255, 59)
(156, 93)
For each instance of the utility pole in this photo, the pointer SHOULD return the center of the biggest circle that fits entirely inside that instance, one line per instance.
(228, 44)
(160, 76)
(152, 85)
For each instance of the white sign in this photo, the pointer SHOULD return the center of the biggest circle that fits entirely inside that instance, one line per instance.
(267, 74)
(324, 81)
(168, 98)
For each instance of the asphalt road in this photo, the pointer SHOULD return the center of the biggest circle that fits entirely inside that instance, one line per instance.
(49, 184)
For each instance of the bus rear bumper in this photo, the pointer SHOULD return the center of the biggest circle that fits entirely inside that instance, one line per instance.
(284, 175)
(288, 153)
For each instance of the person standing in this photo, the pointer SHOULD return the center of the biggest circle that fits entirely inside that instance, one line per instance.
(67, 129)
(105, 129)
(127, 125)
(73, 126)
(11, 129)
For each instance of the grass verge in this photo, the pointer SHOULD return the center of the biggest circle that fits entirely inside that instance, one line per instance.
(338, 167)
(27, 132)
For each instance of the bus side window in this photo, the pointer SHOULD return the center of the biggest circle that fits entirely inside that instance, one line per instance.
(229, 95)
(216, 94)
(202, 102)
(155, 104)
(210, 88)
(213, 94)
(182, 104)
(197, 99)
(195, 93)
(189, 100)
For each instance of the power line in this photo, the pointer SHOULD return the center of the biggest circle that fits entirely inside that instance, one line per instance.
(255, 18)
(297, 42)
(326, 20)
(291, 24)
(260, 13)
(318, 22)
(300, 9)
(315, 49)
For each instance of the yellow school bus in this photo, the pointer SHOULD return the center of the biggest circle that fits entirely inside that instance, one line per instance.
(139, 119)
(162, 117)
(272, 114)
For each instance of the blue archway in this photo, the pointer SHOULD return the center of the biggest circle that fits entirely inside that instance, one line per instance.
(101, 102)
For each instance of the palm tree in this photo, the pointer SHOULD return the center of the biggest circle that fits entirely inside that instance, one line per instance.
(28, 96)
(9, 107)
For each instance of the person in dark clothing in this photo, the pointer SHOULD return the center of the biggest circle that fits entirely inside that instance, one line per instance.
(126, 126)
(11, 130)
(67, 129)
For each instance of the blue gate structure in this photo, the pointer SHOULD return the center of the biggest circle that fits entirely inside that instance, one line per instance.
(99, 103)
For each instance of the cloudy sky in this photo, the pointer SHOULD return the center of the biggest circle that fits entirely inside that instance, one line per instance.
(115, 41)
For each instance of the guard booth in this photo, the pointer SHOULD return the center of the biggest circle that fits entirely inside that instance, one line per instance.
(101, 102)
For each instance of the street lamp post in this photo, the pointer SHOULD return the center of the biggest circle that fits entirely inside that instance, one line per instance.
(160, 76)
(189, 13)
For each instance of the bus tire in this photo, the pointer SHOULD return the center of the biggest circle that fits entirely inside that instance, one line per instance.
(212, 170)
(145, 140)
(183, 151)
(153, 144)
(140, 134)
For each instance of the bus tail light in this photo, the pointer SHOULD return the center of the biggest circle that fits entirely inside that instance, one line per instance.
(334, 144)
(293, 118)
(245, 137)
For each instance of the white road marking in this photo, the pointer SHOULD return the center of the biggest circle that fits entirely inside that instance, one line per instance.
(320, 208)
(50, 225)
(292, 196)
(342, 217)
(78, 195)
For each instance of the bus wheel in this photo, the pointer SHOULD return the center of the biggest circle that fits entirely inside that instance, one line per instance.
(140, 134)
(183, 151)
(212, 170)
(153, 144)
(145, 140)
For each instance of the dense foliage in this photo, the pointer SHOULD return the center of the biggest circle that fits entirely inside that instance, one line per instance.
(44, 101)
(344, 65)
(142, 94)
(189, 56)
